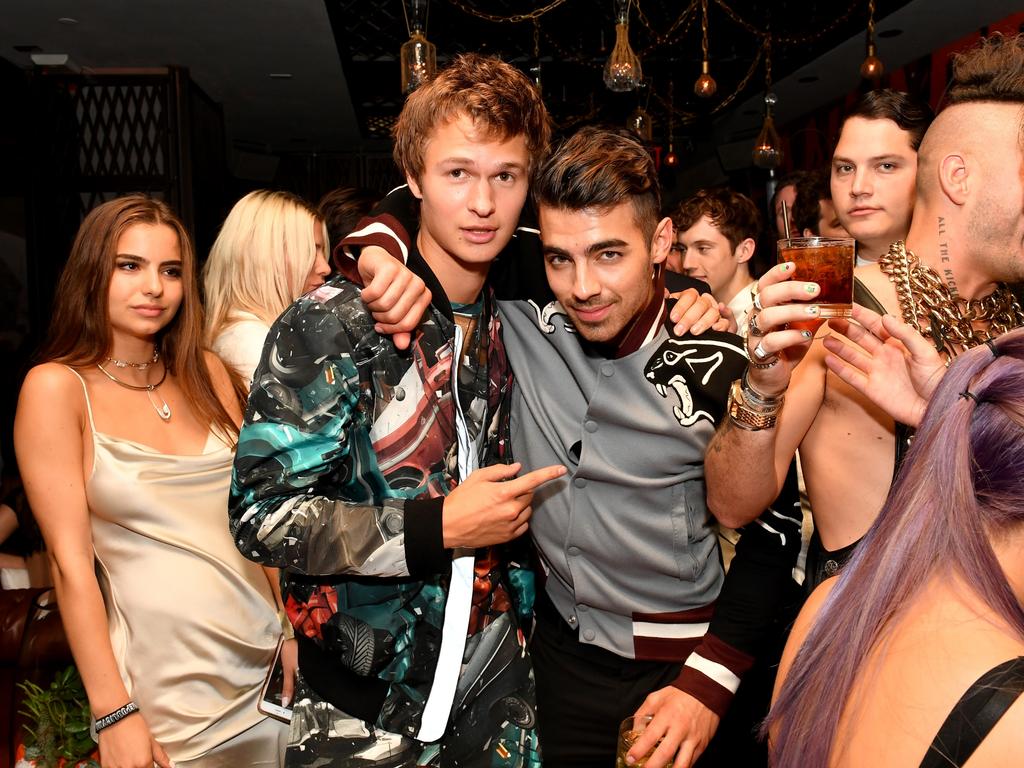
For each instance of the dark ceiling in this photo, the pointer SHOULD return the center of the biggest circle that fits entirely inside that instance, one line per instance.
(575, 38)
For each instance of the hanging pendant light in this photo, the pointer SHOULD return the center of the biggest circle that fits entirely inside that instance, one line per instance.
(767, 152)
(871, 68)
(640, 124)
(705, 86)
(671, 158)
(418, 55)
(622, 71)
(535, 67)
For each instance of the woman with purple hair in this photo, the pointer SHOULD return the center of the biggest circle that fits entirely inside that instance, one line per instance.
(914, 654)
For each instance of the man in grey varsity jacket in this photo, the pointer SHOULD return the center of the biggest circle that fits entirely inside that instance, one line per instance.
(635, 615)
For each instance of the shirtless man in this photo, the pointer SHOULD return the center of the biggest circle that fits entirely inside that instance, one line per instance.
(873, 169)
(967, 235)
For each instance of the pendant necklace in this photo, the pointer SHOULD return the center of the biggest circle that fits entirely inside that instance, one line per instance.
(163, 410)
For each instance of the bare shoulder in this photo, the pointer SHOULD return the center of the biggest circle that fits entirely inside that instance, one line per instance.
(52, 387)
(812, 607)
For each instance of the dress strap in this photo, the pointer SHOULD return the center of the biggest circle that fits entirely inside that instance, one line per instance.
(88, 403)
(977, 713)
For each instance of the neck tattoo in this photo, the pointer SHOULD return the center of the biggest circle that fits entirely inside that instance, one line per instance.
(161, 406)
(934, 307)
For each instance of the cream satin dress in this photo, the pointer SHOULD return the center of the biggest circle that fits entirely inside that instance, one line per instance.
(192, 622)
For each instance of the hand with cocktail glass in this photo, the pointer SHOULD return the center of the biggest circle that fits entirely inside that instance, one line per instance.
(671, 727)
(812, 282)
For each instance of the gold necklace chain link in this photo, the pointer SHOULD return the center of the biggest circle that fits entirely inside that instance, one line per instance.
(928, 304)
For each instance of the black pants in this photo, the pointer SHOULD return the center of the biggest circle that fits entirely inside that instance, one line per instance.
(584, 692)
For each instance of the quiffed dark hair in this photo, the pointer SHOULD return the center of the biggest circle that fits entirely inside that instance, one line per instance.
(910, 114)
(600, 168)
(732, 213)
(992, 71)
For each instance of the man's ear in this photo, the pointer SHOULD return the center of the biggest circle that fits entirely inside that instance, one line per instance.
(808, 233)
(745, 250)
(414, 186)
(955, 178)
(661, 243)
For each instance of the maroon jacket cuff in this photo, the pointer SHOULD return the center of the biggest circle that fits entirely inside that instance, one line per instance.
(712, 673)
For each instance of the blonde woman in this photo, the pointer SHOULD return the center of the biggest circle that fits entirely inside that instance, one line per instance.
(125, 435)
(270, 250)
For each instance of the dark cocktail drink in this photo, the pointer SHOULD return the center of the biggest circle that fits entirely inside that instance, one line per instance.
(827, 261)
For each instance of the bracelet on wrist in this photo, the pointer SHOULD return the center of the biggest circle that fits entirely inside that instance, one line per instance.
(116, 716)
(746, 417)
(753, 397)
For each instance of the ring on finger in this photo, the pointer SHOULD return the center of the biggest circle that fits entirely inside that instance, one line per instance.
(761, 353)
(756, 296)
(753, 327)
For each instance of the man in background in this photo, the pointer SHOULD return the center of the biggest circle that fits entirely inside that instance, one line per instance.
(716, 234)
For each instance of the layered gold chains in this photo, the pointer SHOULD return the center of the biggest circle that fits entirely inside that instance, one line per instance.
(928, 304)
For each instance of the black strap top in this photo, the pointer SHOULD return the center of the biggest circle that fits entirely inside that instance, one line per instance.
(977, 713)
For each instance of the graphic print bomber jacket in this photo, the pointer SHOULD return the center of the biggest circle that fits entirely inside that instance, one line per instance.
(715, 635)
(347, 451)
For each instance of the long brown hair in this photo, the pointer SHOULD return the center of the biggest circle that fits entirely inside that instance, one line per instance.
(80, 332)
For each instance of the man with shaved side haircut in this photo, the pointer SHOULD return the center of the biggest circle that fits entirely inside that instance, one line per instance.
(966, 238)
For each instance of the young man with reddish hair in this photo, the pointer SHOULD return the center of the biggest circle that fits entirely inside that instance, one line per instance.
(375, 478)
(716, 234)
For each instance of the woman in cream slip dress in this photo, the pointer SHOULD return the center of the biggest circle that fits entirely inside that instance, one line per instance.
(126, 457)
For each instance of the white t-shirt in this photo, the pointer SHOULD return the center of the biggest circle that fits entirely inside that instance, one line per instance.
(241, 344)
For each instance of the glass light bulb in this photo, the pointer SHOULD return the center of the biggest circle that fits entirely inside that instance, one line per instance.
(705, 86)
(872, 67)
(622, 71)
(419, 62)
(640, 124)
(768, 148)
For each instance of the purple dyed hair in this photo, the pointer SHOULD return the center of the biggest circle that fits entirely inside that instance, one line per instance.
(961, 485)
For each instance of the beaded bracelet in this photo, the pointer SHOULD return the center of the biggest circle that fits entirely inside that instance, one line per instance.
(116, 716)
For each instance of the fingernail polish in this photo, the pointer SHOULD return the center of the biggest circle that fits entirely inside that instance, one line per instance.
(807, 334)
(811, 288)
(812, 310)
(786, 267)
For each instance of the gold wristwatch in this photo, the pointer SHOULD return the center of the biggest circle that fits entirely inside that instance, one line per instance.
(746, 417)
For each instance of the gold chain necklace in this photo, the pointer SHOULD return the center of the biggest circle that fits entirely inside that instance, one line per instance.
(928, 304)
(163, 410)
